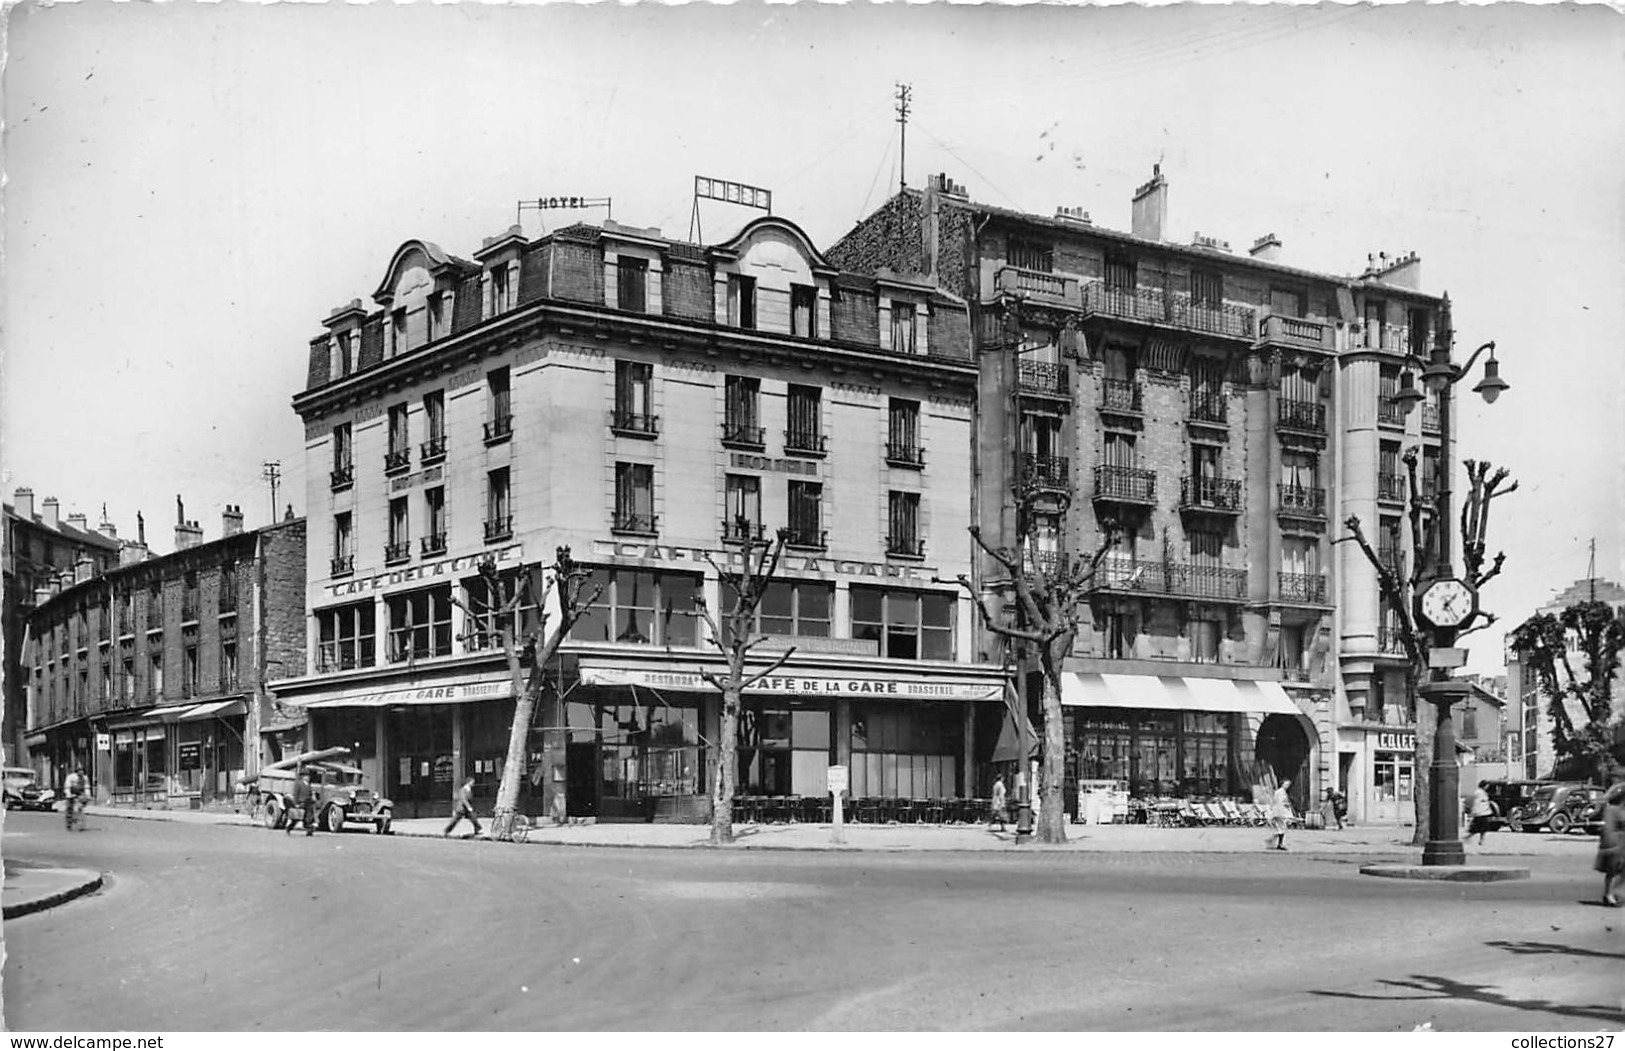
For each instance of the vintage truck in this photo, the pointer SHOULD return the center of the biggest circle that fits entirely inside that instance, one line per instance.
(342, 794)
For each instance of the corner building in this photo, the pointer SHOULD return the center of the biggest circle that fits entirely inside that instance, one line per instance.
(1227, 413)
(649, 403)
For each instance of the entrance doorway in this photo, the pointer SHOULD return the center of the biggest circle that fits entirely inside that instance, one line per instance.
(1284, 748)
(421, 775)
(581, 779)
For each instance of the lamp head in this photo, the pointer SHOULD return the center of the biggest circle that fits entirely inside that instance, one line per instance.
(1407, 396)
(1491, 386)
(1439, 375)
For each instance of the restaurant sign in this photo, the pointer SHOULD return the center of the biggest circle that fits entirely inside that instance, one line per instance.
(789, 562)
(427, 571)
(892, 686)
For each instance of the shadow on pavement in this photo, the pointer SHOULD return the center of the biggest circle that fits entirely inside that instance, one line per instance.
(1534, 948)
(1435, 987)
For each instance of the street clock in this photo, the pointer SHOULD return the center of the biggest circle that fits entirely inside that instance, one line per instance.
(1447, 603)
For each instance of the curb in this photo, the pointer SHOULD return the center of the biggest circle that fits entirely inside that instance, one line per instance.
(49, 901)
(1451, 873)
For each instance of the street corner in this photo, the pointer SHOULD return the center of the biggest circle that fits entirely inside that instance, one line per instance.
(1450, 873)
(33, 888)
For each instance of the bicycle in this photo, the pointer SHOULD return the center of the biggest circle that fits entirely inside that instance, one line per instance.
(75, 814)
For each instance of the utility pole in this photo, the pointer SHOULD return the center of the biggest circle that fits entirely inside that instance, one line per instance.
(905, 94)
(272, 473)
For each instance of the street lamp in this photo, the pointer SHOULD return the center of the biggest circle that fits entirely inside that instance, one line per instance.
(1439, 376)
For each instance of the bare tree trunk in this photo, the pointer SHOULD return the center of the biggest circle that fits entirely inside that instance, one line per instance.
(513, 767)
(1052, 809)
(722, 791)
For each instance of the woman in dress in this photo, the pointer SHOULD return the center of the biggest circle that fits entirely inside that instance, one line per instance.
(1611, 843)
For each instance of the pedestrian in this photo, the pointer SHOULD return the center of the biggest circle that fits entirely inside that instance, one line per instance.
(77, 790)
(1611, 844)
(1340, 807)
(1480, 812)
(1328, 809)
(462, 805)
(998, 804)
(1280, 814)
(304, 801)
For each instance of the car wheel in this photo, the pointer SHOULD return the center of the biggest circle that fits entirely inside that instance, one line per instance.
(333, 819)
(271, 815)
(1560, 823)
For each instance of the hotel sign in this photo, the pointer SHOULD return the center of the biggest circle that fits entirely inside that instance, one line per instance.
(769, 463)
(790, 562)
(426, 571)
(406, 481)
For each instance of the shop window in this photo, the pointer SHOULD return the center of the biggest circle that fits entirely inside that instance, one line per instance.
(347, 637)
(906, 625)
(420, 624)
(641, 607)
(905, 751)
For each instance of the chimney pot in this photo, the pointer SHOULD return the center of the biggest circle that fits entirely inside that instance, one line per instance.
(24, 502)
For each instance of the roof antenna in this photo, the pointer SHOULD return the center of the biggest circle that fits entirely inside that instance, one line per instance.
(1591, 570)
(905, 95)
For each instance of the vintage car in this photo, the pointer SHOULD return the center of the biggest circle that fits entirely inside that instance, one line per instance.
(23, 791)
(1508, 797)
(342, 794)
(1556, 806)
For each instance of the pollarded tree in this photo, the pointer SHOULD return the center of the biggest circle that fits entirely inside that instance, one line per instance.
(733, 632)
(1398, 585)
(1580, 702)
(528, 614)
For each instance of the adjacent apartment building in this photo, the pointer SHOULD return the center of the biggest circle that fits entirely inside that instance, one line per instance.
(652, 404)
(1225, 413)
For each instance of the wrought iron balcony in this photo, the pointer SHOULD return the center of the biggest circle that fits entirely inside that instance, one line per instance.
(433, 450)
(498, 428)
(905, 546)
(1209, 406)
(397, 460)
(1041, 286)
(1303, 587)
(1303, 500)
(500, 528)
(631, 522)
(905, 454)
(744, 435)
(1390, 412)
(1286, 331)
(1044, 377)
(1390, 486)
(1175, 579)
(397, 552)
(811, 539)
(1307, 416)
(433, 544)
(1046, 472)
(805, 443)
(739, 529)
(1125, 485)
(634, 424)
(1044, 563)
(1120, 396)
(1175, 309)
(1210, 494)
(342, 477)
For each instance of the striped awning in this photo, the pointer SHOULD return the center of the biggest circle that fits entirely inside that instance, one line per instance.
(215, 709)
(1177, 693)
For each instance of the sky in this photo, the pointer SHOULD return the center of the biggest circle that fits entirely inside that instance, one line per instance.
(191, 188)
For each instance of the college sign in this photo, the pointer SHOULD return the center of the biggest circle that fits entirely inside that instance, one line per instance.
(790, 561)
(427, 571)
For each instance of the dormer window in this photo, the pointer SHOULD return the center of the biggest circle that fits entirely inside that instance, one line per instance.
(631, 283)
(501, 298)
(803, 311)
(902, 328)
(437, 316)
(741, 301)
(343, 355)
(397, 330)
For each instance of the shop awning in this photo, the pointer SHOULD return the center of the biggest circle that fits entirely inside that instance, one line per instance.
(1179, 693)
(819, 682)
(215, 710)
(450, 693)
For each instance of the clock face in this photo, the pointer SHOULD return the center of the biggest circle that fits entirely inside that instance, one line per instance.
(1447, 603)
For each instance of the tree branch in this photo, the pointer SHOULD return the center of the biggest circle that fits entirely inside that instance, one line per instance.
(769, 670)
(1001, 556)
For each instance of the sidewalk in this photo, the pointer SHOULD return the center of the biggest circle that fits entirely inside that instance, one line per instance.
(31, 888)
(1386, 841)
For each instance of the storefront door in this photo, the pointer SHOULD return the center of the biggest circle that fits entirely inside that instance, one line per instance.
(421, 775)
(581, 779)
(1392, 784)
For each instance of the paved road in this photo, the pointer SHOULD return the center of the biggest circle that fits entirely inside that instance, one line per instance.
(225, 928)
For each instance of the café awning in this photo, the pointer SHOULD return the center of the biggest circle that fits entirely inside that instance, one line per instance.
(215, 710)
(1178, 693)
(449, 693)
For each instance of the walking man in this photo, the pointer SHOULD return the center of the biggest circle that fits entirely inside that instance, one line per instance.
(998, 803)
(462, 805)
(1280, 814)
(304, 802)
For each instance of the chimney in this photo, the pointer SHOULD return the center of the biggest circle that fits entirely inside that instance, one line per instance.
(1404, 271)
(1151, 206)
(42, 594)
(231, 521)
(108, 529)
(48, 512)
(77, 521)
(187, 534)
(24, 502)
(1266, 249)
(83, 569)
(130, 552)
(1072, 215)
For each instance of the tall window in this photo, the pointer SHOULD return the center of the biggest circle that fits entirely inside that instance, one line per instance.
(744, 507)
(126, 673)
(399, 533)
(501, 299)
(741, 301)
(638, 606)
(498, 407)
(1376, 312)
(1120, 274)
(1120, 450)
(803, 311)
(397, 331)
(437, 315)
(903, 431)
(902, 327)
(1205, 469)
(434, 422)
(1300, 470)
(803, 409)
(632, 396)
(434, 520)
(1419, 332)
(634, 498)
(155, 606)
(1120, 363)
(903, 521)
(1032, 255)
(343, 543)
(806, 514)
(498, 510)
(1207, 288)
(155, 673)
(346, 353)
(420, 623)
(228, 588)
(1288, 302)
(1205, 633)
(347, 637)
(631, 282)
(343, 456)
(742, 422)
(1300, 555)
(189, 668)
(1207, 389)
(1299, 384)
(908, 625)
(399, 455)
(1389, 542)
(189, 598)
(228, 664)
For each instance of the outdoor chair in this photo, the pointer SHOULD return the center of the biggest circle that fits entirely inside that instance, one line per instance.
(1232, 813)
(1215, 816)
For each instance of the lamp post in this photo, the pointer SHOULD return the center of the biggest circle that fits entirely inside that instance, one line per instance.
(1446, 616)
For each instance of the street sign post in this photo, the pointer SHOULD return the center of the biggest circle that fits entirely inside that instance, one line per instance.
(837, 786)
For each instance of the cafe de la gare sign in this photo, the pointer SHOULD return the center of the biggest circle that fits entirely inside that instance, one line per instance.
(863, 686)
(790, 562)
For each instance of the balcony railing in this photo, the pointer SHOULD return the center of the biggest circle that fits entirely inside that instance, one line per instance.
(1390, 641)
(1169, 308)
(434, 544)
(1389, 558)
(740, 529)
(342, 477)
(1430, 419)
(397, 460)
(1132, 485)
(1302, 500)
(1209, 406)
(905, 454)
(1210, 494)
(1390, 412)
(1303, 587)
(1053, 288)
(1120, 396)
(811, 539)
(744, 435)
(1296, 332)
(342, 565)
(1179, 579)
(397, 552)
(1044, 563)
(1045, 377)
(500, 528)
(631, 522)
(1390, 486)
(905, 546)
(1046, 472)
(805, 443)
(634, 424)
(434, 449)
(498, 429)
(1307, 416)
